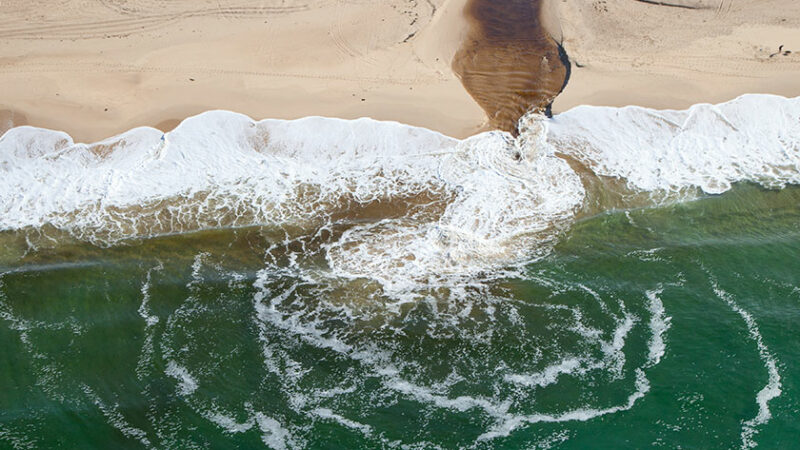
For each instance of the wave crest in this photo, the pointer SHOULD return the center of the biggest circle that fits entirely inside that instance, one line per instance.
(402, 203)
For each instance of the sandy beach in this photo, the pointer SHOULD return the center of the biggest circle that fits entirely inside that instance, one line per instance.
(99, 68)
(96, 69)
(672, 54)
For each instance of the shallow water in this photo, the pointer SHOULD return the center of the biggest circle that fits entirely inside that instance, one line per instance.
(662, 326)
(356, 284)
(509, 63)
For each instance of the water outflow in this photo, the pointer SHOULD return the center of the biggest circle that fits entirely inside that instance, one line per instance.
(509, 63)
(398, 204)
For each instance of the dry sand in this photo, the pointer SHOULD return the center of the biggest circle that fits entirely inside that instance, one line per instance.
(98, 68)
(679, 52)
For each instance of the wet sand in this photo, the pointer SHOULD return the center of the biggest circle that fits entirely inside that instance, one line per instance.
(10, 119)
(509, 62)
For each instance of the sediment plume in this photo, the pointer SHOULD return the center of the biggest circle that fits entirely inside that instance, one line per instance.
(510, 63)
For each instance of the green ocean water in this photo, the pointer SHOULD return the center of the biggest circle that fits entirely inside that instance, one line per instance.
(673, 326)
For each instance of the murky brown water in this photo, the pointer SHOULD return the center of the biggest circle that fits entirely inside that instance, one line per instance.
(509, 63)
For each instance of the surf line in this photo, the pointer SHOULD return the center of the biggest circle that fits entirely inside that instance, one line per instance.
(773, 388)
(512, 60)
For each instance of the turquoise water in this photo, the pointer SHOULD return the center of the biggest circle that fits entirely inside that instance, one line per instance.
(672, 326)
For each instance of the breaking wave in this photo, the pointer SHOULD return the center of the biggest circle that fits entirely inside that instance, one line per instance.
(382, 200)
(421, 217)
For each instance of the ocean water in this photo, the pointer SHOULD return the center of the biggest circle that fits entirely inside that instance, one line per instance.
(611, 278)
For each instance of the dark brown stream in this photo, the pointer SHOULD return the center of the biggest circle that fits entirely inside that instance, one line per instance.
(509, 64)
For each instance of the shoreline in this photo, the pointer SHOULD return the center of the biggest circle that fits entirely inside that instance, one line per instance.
(663, 57)
(401, 68)
(172, 125)
(89, 71)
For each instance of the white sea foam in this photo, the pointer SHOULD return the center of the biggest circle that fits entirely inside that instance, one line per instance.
(392, 370)
(274, 435)
(512, 422)
(144, 308)
(144, 364)
(773, 387)
(116, 419)
(752, 138)
(659, 325)
(490, 194)
(492, 200)
(226, 422)
(325, 413)
(547, 376)
(187, 384)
